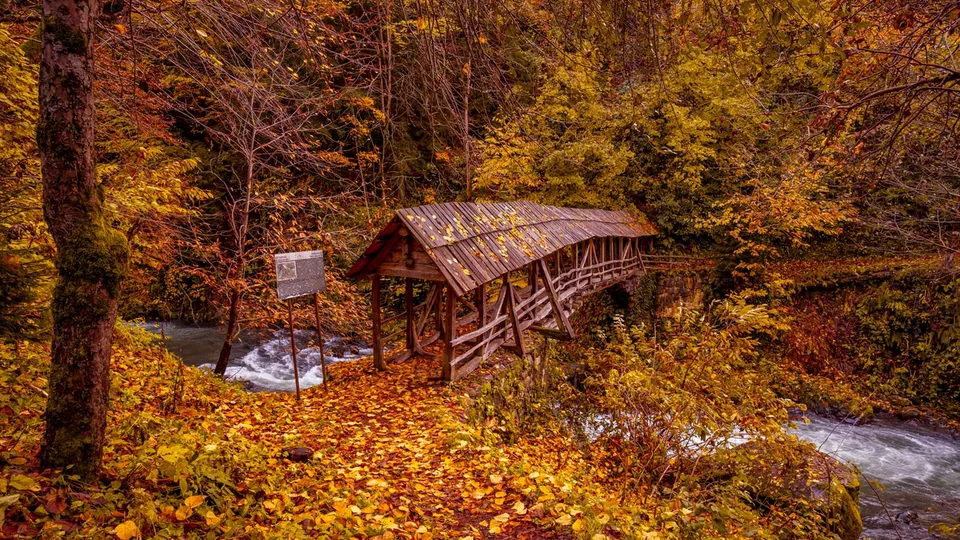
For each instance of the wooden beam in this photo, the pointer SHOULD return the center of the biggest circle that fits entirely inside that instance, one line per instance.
(480, 299)
(450, 327)
(400, 356)
(419, 272)
(551, 332)
(377, 342)
(562, 322)
(532, 277)
(408, 299)
(515, 321)
(428, 306)
(438, 313)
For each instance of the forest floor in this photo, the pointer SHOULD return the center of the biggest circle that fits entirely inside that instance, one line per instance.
(190, 455)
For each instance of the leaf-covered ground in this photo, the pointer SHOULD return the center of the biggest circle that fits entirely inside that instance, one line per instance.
(188, 455)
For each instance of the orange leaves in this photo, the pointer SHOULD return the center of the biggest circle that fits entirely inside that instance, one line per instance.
(126, 530)
(392, 460)
(186, 509)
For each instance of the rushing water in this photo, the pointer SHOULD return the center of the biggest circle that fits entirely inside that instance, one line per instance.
(263, 361)
(918, 468)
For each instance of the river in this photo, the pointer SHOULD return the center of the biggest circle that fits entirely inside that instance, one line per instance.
(918, 468)
(263, 361)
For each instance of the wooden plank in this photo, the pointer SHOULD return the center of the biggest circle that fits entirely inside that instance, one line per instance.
(409, 323)
(480, 299)
(480, 331)
(377, 343)
(558, 313)
(515, 321)
(427, 307)
(551, 332)
(399, 270)
(450, 326)
(401, 356)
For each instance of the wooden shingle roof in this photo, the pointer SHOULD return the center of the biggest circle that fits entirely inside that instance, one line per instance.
(476, 243)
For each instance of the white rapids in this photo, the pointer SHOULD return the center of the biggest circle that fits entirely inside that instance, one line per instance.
(917, 467)
(266, 364)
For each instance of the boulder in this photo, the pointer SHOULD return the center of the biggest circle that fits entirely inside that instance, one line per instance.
(297, 453)
(909, 413)
(790, 471)
(907, 517)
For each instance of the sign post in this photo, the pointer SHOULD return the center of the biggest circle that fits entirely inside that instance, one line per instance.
(293, 347)
(316, 316)
(301, 274)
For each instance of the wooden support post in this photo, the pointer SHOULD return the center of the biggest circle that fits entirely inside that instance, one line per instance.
(562, 322)
(293, 347)
(323, 358)
(408, 298)
(450, 326)
(532, 278)
(480, 299)
(377, 331)
(438, 314)
(514, 320)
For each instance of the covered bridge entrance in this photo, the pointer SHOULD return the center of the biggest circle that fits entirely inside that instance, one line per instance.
(496, 270)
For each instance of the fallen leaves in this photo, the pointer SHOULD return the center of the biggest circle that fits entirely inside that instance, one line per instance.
(127, 530)
(393, 459)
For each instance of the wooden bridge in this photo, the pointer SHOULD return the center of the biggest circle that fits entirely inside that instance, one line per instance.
(496, 270)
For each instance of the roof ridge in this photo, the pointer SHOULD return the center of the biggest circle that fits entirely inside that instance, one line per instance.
(553, 219)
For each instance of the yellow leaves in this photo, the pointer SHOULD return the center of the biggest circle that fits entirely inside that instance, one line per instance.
(498, 522)
(564, 519)
(376, 482)
(481, 493)
(186, 509)
(345, 510)
(23, 483)
(183, 513)
(495, 479)
(519, 508)
(127, 530)
(212, 519)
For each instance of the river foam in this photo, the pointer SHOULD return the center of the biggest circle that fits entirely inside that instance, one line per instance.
(918, 468)
(269, 366)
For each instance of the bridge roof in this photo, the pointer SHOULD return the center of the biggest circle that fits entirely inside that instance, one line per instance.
(476, 243)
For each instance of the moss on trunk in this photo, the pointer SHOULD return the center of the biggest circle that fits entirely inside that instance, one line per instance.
(91, 258)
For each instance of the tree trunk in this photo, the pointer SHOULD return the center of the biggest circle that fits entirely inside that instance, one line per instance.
(232, 321)
(90, 258)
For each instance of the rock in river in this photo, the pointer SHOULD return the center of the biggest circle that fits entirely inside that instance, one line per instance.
(785, 471)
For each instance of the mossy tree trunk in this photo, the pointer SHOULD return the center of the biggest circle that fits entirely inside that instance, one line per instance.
(90, 257)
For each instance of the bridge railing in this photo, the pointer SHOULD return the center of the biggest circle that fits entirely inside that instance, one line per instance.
(532, 305)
